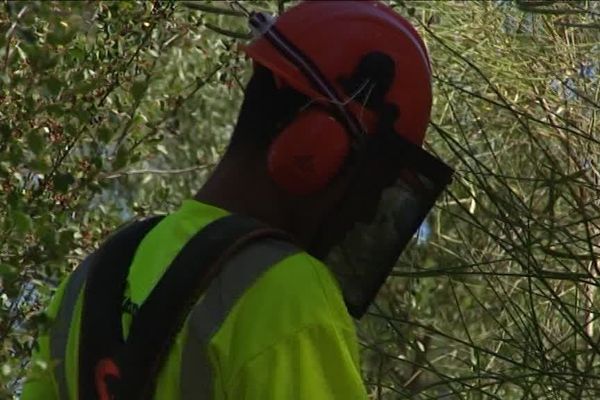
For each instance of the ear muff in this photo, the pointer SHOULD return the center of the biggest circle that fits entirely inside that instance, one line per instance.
(309, 152)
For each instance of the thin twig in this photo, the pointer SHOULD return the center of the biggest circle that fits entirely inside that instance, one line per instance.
(194, 5)
(151, 171)
(9, 35)
(226, 32)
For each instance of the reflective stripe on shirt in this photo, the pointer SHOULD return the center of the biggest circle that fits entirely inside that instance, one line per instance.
(238, 274)
(59, 333)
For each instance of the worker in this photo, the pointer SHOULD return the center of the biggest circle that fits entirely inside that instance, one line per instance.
(229, 297)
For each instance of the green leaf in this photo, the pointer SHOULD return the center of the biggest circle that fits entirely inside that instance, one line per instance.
(26, 34)
(61, 35)
(122, 158)
(65, 238)
(105, 134)
(47, 235)
(6, 369)
(13, 199)
(21, 52)
(77, 53)
(138, 89)
(35, 141)
(15, 155)
(135, 157)
(62, 181)
(5, 129)
(40, 58)
(161, 148)
(97, 161)
(82, 115)
(55, 110)
(4, 172)
(21, 221)
(8, 271)
(40, 164)
(53, 85)
(70, 129)
(84, 87)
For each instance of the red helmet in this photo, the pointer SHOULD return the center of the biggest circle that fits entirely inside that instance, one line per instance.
(336, 35)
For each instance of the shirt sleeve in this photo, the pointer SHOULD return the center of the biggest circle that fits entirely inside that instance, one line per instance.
(317, 362)
(40, 382)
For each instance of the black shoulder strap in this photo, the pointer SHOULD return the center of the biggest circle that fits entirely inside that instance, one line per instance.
(162, 315)
(101, 326)
(164, 312)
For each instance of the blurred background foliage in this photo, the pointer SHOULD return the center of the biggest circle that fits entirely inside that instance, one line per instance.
(110, 110)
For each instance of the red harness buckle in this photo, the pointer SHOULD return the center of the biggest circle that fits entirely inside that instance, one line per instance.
(107, 372)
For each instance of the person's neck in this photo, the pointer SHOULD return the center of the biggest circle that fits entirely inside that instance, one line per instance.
(245, 191)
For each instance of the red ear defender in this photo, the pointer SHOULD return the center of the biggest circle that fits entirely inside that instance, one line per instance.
(308, 153)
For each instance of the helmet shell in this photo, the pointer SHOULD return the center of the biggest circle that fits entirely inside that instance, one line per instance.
(336, 35)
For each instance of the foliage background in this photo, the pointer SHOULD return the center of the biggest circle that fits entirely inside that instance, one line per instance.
(115, 109)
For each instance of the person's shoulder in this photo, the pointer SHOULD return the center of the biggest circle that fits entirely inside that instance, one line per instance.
(293, 297)
(298, 290)
(311, 279)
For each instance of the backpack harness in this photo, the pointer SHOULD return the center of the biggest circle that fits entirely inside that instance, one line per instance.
(113, 368)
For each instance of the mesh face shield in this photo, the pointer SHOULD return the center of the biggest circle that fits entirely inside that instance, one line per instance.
(412, 181)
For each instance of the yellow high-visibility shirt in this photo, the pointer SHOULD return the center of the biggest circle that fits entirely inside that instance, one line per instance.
(288, 336)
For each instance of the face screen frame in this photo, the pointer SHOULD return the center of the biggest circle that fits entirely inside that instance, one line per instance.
(365, 257)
